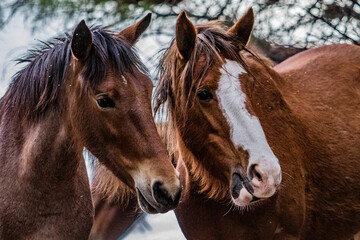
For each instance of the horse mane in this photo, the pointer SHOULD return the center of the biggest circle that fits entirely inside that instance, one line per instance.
(180, 79)
(110, 187)
(37, 85)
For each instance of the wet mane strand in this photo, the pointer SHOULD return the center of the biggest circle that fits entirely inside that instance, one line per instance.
(37, 85)
(214, 41)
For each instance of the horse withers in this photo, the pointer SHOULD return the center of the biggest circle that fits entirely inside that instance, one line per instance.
(89, 90)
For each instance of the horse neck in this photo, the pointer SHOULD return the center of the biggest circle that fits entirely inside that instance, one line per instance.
(42, 150)
(266, 92)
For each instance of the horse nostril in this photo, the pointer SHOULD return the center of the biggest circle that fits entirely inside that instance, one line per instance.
(236, 185)
(254, 173)
(258, 176)
(161, 194)
(163, 197)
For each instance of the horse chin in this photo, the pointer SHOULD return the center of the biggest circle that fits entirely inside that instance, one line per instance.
(144, 204)
(245, 198)
(242, 192)
(148, 206)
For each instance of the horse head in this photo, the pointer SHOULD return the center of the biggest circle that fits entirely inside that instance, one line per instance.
(110, 111)
(218, 133)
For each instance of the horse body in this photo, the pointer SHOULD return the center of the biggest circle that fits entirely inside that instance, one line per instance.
(116, 208)
(321, 87)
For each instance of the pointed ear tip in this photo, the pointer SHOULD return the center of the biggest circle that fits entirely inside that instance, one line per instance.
(250, 12)
(183, 19)
(82, 22)
(147, 17)
(182, 15)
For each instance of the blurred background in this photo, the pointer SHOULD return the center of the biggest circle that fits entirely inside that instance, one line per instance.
(282, 29)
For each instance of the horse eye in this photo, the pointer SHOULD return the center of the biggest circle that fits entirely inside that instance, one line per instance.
(205, 95)
(105, 102)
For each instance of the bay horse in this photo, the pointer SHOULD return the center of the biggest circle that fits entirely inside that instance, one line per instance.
(230, 110)
(89, 90)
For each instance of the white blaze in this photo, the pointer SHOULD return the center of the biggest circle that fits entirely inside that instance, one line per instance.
(246, 131)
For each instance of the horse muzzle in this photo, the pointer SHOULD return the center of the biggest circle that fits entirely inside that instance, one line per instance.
(242, 191)
(159, 199)
(264, 181)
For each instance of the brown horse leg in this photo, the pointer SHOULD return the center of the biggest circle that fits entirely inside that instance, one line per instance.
(112, 219)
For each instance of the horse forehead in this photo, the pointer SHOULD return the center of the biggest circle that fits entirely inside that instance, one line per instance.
(229, 81)
(243, 125)
(137, 78)
(232, 99)
(123, 82)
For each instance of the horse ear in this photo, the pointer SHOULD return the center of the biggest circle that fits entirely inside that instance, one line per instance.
(81, 42)
(185, 36)
(243, 28)
(132, 33)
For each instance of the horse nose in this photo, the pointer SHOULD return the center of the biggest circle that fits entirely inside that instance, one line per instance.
(255, 173)
(263, 180)
(163, 197)
(236, 185)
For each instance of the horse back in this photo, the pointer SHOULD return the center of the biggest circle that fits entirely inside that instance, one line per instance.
(322, 88)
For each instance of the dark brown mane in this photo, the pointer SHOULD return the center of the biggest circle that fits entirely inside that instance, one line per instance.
(214, 42)
(36, 87)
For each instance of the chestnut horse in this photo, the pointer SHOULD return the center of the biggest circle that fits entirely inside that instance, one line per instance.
(89, 90)
(229, 110)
